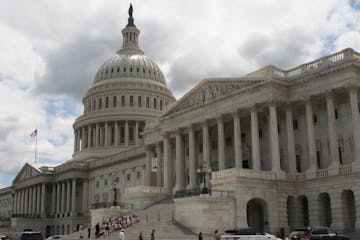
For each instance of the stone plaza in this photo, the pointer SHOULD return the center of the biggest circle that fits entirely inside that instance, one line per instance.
(276, 149)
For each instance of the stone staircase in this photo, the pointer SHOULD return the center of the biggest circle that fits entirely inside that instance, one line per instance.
(160, 211)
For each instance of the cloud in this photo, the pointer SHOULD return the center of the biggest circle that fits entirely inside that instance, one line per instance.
(50, 52)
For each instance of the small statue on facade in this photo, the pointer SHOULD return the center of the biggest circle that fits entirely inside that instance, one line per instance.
(130, 10)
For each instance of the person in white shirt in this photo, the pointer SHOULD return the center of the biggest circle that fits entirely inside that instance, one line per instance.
(122, 234)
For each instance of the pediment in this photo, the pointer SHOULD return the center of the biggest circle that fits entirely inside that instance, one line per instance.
(28, 171)
(210, 90)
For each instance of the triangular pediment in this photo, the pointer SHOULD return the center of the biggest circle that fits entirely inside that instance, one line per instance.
(26, 172)
(210, 90)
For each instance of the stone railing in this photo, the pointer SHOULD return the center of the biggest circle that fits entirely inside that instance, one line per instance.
(110, 204)
(146, 189)
(345, 169)
(322, 173)
(339, 57)
(243, 172)
(71, 166)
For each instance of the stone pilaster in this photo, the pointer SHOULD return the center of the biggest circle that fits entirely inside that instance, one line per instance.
(116, 142)
(89, 136)
(53, 200)
(30, 201)
(97, 138)
(206, 144)
(58, 198)
(63, 198)
(237, 140)
(221, 143)
(82, 138)
(26, 211)
(255, 142)
(106, 135)
(136, 134)
(68, 198)
(85, 196)
(43, 200)
(337, 214)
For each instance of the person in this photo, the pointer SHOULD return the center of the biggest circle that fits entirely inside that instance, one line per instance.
(106, 229)
(81, 231)
(97, 230)
(140, 236)
(88, 226)
(200, 236)
(122, 234)
(152, 235)
(216, 235)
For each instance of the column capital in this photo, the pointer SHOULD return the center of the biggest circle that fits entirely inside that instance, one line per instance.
(235, 114)
(219, 118)
(204, 123)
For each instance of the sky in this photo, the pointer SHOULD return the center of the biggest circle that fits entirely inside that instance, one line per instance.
(50, 52)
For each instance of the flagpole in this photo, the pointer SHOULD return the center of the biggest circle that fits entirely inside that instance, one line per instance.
(35, 146)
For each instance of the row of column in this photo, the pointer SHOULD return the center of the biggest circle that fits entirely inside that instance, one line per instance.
(255, 143)
(64, 198)
(30, 200)
(99, 135)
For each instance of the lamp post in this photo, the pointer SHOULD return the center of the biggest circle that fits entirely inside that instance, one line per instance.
(203, 170)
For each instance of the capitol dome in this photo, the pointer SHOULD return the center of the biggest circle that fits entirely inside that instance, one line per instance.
(129, 90)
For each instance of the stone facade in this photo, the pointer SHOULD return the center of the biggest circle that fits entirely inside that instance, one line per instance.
(278, 149)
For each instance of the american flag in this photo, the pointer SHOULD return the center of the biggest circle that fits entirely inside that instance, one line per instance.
(34, 133)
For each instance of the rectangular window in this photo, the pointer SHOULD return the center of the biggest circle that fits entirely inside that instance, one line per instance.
(161, 105)
(100, 103)
(138, 175)
(155, 103)
(107, 102)
(295, 124)
(131, 101)
(228, 141)
(114, 101)
(200, 148)
(131, 133)
(214, 145)
(122, 134)
(260, 133)
(128, 177)
(139, 101)
(318, 159)
(112, 135)
(243, 137)
(315, 119)
(336, 114)
(147, 102)
(123, 101)
(94, 105)
(298, 163)
(140, 132)
(278, 127)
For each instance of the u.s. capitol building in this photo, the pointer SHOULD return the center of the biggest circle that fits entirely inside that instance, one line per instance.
(275, 149)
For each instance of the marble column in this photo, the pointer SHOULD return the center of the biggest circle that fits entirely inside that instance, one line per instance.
(30, 201)
(106, 135)
(290, 140)
(179, 163)
(63, 198)
(167, 159)
(355, 122)
(148, 166)
(116, 133)
(73, 197)
(53, 200)
(68, 198)
(38, 199)
(136, 134)
(75, 140)
(20, 201)
(221, 143)
(26, 200)
(310, 136)
(34, 200)
(255, 142)
(43, 199)
(85, 196)
(159, 155)
(97, 138)
(192, 158)
(237, 140)
(206, 144)
(126, 133)
(89, 136)
(58, 198)
(333, 138)
(274, 139)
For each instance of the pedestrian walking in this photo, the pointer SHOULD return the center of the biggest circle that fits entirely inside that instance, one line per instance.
(107, 228)
(152, 235)
(216, 235)
(200, 236)
(97, 230)
(122, 234)
(81, 231)
(88, 226)
(140, 236)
